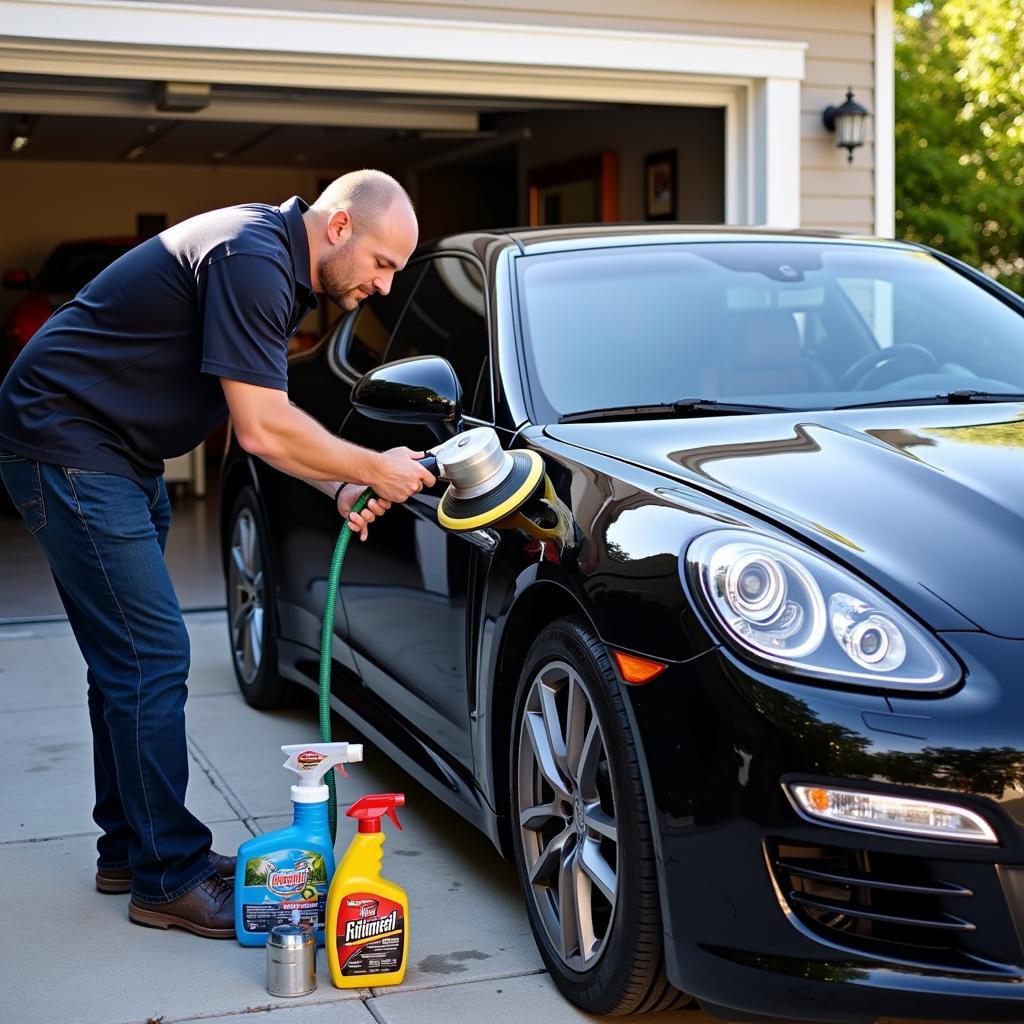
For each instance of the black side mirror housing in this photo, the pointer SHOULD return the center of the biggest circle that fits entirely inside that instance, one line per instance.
(422, 390)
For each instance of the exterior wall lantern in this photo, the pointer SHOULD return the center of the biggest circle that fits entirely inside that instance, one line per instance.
(850, 123)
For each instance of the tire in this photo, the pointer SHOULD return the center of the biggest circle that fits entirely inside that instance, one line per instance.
(581, 832)
(252, 618)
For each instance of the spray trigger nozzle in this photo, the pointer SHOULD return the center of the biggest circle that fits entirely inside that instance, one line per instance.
(368, 810)
(312, 761)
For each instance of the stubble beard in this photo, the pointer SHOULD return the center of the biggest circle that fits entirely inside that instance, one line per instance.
(335, 273)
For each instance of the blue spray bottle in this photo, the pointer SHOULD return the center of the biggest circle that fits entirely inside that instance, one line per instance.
(291, 869)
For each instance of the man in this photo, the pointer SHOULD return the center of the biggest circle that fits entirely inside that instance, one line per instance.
(141, 366)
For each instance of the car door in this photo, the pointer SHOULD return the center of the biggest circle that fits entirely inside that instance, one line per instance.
(406, 591)
(320, 383)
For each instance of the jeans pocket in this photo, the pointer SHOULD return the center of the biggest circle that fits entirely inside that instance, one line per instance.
(159, 492)
(6, 457)
(21, 478)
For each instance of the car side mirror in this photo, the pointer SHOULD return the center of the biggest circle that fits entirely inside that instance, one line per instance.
(17, 279)
(423, 390)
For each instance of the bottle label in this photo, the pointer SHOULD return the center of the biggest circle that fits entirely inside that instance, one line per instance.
(277, 883)
(371, 935)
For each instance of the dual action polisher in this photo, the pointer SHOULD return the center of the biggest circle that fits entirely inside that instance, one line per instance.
(486, 485)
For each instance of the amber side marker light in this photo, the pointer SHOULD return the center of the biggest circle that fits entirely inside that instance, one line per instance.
(637, 670)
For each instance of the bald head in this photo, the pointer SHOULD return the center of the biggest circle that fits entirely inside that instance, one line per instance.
(368, 196)
(362, 230)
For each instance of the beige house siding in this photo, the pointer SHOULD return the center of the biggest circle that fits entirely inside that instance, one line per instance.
(840, 53)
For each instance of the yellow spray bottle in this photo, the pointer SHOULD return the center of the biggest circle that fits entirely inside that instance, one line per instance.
(367, 916)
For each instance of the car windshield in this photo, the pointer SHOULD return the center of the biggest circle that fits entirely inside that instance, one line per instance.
(792, 324)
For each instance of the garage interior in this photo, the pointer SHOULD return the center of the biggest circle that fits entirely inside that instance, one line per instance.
(99, 158)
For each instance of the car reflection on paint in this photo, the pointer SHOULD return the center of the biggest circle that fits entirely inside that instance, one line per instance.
(739, 694)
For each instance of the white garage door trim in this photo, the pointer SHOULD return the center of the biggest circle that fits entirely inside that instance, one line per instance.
(885, 121)
(757, 81)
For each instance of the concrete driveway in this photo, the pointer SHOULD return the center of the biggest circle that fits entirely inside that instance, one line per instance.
(69, 954)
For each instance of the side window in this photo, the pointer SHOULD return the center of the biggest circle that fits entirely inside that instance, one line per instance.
(446, 318)
(376, 321)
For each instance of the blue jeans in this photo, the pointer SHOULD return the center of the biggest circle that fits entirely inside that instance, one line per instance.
(104, 537)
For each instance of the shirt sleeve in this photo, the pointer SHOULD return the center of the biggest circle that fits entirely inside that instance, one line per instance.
(246, 302)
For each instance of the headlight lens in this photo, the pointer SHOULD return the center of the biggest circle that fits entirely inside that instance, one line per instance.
(788, 606)
(769, 599)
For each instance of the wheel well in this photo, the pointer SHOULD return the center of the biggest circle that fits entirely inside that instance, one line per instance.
(541, 605)
(234, 480)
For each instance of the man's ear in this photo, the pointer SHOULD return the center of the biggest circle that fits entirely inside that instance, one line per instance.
(339, 225)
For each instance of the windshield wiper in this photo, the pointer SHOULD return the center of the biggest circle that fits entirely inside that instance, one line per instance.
(963, 397)
(680, 409)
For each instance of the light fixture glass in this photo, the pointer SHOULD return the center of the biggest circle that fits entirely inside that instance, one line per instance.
(850, 123)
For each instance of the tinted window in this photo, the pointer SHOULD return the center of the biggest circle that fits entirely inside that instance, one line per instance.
(795, 324)
(376, 321)
(446, 318)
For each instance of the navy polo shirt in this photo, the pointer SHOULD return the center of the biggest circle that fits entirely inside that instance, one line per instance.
(127, 373)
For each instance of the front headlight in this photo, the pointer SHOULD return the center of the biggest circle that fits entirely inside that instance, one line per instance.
(785, 605)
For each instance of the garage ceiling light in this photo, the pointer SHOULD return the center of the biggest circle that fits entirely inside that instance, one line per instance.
(184, 97)
(21, 131)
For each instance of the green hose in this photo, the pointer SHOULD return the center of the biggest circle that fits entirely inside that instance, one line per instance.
(326, 641)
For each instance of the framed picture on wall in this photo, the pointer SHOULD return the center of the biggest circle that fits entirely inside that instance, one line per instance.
(660, 185)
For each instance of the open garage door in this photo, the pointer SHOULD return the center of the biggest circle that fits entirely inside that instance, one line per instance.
(136, 156)
(142, 153)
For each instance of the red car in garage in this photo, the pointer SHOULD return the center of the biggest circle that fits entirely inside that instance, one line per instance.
(67, 269)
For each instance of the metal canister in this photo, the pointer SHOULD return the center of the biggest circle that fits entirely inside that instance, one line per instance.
(291, 960)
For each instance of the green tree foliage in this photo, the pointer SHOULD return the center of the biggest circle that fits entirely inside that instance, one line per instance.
(960, 130)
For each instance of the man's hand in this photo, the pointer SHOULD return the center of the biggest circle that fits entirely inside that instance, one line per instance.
(398, 476)
(358, 522)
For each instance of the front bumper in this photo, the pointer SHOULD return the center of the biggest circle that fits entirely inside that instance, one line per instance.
(768, 913)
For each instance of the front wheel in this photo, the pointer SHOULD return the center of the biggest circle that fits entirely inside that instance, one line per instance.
(581, 831)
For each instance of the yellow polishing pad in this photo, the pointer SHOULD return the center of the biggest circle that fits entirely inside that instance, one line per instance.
(462, 514)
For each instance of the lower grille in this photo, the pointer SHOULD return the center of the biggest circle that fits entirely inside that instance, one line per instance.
(945, 914)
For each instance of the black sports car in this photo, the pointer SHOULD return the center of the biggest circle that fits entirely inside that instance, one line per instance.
(745, 700)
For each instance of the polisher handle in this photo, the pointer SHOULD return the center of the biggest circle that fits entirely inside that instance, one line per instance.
(429, 463)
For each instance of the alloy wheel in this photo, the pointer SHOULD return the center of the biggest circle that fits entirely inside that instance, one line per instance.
(567, 815)
(245, 596)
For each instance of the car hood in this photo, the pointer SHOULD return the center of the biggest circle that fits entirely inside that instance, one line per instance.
(913, 497)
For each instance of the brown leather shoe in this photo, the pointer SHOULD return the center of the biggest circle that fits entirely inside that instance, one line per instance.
(117, 881)
(207, 910)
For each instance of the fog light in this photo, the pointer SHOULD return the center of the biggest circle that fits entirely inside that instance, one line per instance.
(892, 813)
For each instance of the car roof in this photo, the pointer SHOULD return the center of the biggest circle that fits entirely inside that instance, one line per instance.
(531, 240)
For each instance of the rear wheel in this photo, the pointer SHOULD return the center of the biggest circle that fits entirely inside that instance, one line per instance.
(252, 624)
(581, 832)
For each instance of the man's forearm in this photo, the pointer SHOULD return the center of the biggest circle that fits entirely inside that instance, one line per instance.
(296, 444)
(268, 426)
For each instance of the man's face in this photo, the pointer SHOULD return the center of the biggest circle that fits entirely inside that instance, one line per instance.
(366, 258)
